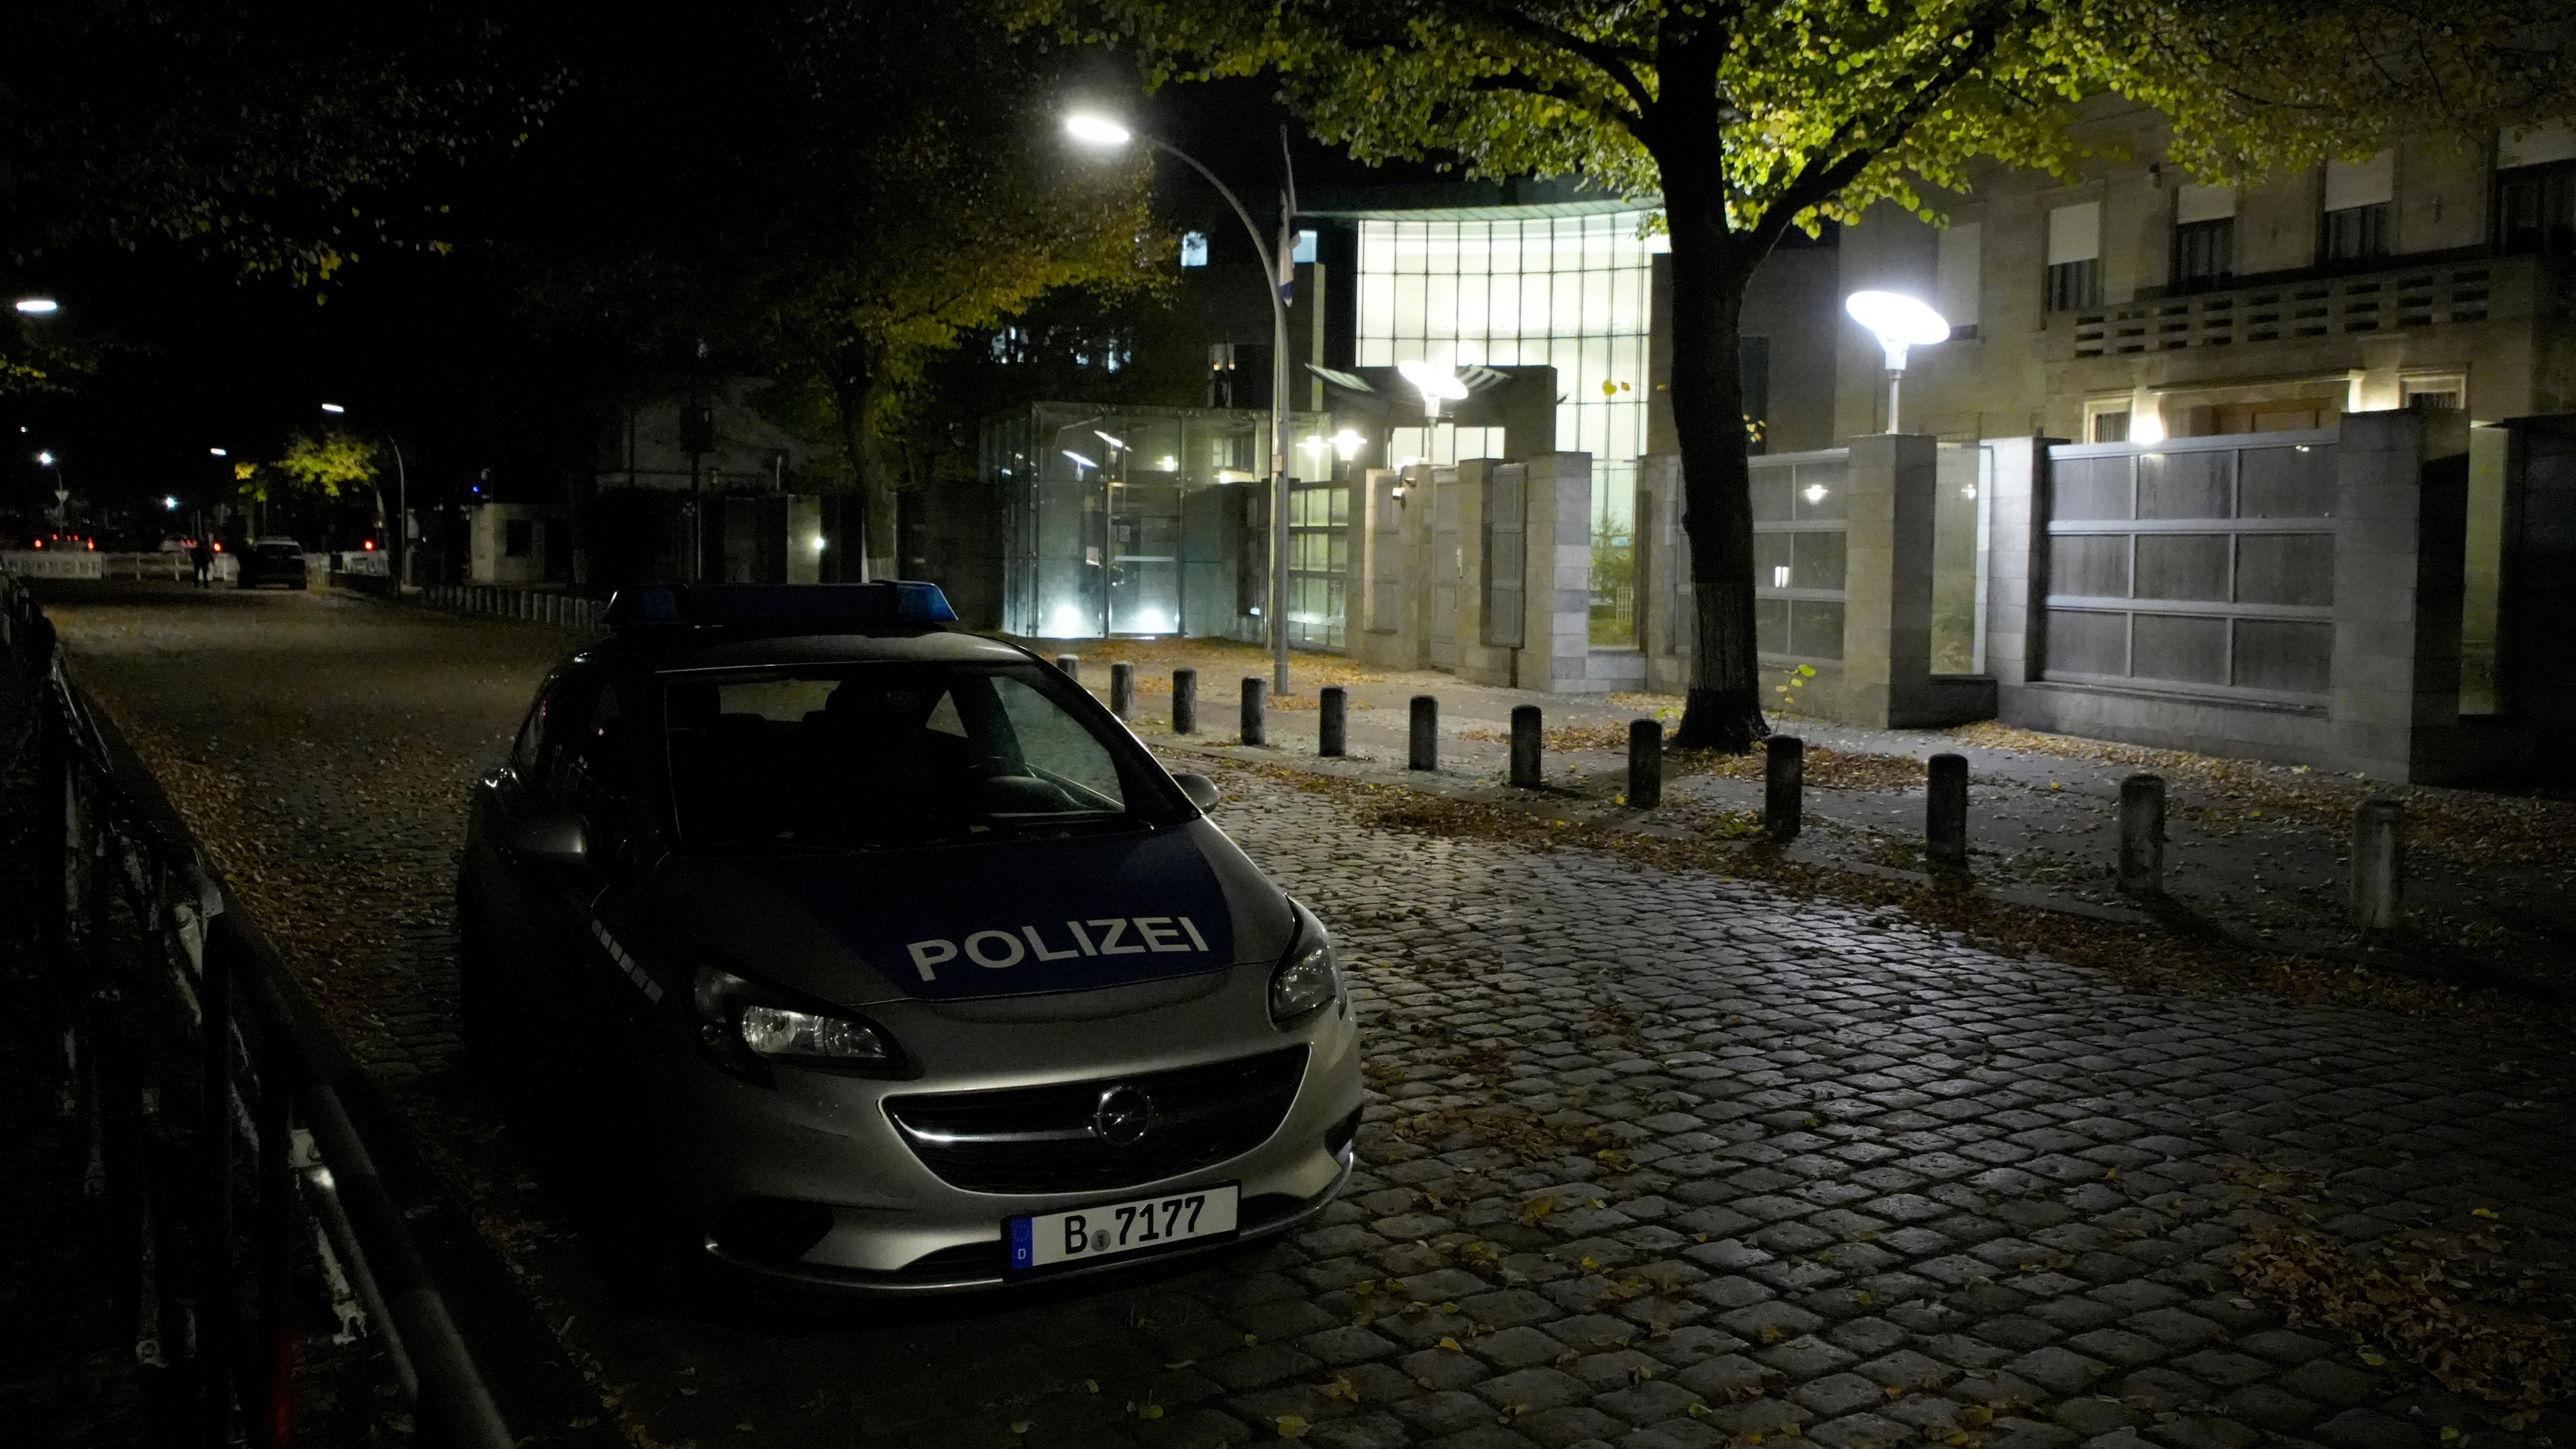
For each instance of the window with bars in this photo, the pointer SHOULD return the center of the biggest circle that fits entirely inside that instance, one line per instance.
(1799, 537)
(2074, 286)
(2356, 232)
(2204, 254)
(2536, 209)
(2193, 569)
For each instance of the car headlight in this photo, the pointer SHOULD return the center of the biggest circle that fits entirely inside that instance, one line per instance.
(1307, 980)
(745, 1025)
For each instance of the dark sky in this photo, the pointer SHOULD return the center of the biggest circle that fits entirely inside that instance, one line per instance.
(234, 364)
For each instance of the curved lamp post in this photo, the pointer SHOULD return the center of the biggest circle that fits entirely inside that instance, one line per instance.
(402, 504)
(1899, 322)
(1096, 130)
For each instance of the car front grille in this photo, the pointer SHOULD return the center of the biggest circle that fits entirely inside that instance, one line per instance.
(1042, 1139)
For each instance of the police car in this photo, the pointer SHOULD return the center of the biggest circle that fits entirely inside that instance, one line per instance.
(877, 957)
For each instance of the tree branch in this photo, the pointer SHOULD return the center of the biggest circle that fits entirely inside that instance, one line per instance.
(1619, 63)
(1601, 107)
(1825, 172)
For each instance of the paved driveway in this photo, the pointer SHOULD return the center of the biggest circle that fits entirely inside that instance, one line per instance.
(1657, 1159)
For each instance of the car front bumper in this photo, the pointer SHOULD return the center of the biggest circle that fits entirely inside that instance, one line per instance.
(839, 1202)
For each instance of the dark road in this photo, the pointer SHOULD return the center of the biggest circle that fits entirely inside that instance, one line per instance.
(1653, 1159)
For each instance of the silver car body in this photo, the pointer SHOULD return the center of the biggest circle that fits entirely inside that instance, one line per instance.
(838, 1182)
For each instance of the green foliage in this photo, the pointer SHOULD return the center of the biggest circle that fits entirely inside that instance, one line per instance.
(314, 464)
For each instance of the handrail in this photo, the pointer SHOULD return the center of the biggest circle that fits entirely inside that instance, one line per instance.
(102, 803)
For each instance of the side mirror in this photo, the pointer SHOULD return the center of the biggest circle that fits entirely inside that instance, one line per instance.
(550, 835)
(1201, 790)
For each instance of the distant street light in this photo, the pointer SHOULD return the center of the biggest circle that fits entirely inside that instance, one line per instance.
(218, 452)
(46, 458)
(1898, 321)
(1093, 129)
(402, 503)
(38, 306)
(170, 502)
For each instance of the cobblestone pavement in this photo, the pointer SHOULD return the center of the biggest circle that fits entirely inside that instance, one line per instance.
(2257, 849)
(1656, 1159)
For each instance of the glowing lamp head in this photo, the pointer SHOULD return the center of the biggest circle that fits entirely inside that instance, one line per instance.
(333, 408)
(1898, 322)
(1433, 382)
(1093, 129)
(1348, 444)
(46, 458)
(38, 306)
(1079, 461)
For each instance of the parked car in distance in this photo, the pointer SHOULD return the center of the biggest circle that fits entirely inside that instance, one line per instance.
(273, 561)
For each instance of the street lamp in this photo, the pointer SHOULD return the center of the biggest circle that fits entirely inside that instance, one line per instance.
(1092, 129)
(38, 306)
(1434, 383)
(1899, 322)
(402, 502)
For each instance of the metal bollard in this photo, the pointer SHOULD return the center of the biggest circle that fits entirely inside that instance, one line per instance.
(2142, 833)
(1071, 664)
(1255, 729)
(2378, 864)
(1784, 787)
(1185, 701)
(1425, 751)
(1525, 746)
(1945, 813)
(1645, 764)
(1333, 722)
(1122, 690)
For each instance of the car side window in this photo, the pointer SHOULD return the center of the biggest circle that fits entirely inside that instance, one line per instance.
(595, 774)
(529, 752)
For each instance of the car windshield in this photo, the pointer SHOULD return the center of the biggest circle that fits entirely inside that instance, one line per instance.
(871, 756)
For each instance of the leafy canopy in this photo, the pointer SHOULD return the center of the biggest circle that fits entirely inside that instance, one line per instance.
(314, 465)
(1796, 111)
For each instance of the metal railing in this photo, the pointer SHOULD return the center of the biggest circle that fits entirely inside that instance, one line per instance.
(536, 606)
(206, 1009)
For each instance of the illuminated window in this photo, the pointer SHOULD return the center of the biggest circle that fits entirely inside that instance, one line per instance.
(1570, 292)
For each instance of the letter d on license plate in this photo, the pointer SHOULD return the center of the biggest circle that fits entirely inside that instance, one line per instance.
(1125, 1226)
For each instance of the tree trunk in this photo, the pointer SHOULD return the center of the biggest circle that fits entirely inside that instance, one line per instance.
(870, 542)
(1710, 268)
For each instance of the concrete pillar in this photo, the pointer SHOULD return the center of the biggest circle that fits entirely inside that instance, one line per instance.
(1424, 751)
(2401, 526)
(2142, 833)
(1887, 581)
(1645, 764)
(1558, 632)
(1784, 787)
(1945, 813)
(2016, 557)
(1525, 746)
(2378, 864)
(1255, 727)
(1122, 690)
(1071, 664)
(1185, 701)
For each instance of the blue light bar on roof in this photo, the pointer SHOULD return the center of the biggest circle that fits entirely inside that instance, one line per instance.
(891, 602)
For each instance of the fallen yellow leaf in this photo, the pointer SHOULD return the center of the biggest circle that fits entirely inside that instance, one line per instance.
(1291, 1427)
(1451, 1344)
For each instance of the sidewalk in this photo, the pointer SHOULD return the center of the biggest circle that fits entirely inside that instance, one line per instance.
(2256, 854)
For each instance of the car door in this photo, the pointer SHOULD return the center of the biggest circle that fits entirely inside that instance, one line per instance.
(547, 901)
(599, 777)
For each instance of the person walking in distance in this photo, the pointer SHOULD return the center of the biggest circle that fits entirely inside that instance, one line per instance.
(202, 554)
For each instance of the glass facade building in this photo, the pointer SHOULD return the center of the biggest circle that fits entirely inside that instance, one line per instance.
(1571, 292)
(1148, 521)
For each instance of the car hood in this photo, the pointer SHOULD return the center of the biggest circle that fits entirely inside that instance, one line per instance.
(973, 921)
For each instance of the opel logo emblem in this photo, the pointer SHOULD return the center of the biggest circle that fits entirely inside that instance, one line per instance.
(1123, 1115)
